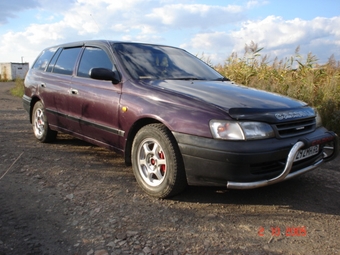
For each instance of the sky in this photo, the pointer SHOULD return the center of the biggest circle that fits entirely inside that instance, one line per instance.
(210, 28)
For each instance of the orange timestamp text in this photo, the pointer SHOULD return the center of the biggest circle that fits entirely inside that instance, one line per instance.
(289, 231)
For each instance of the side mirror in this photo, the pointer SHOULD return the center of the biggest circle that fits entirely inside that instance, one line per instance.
(105, 75)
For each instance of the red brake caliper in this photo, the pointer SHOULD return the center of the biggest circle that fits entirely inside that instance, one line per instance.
(161, 155)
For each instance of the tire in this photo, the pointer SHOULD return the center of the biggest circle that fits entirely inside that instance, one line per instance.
(40, 125)
(157, 163)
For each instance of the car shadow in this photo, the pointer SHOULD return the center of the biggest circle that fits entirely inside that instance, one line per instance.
(65, 139)
(312, 192)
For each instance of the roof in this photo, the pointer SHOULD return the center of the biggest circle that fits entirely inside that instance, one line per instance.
(98, 42)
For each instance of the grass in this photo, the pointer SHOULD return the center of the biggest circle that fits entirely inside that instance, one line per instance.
(18, 89)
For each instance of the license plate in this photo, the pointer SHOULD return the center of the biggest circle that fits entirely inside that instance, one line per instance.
(311, 151)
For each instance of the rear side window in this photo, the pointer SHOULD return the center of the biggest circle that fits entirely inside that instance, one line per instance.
(66, 61)
(44, 58)
(92, 58)
(54, 59)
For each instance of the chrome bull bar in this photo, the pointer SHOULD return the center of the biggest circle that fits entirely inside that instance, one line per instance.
(285, 175)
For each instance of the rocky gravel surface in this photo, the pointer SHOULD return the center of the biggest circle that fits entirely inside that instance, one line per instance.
(71, 197)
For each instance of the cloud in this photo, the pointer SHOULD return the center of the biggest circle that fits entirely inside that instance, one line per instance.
(279, 37)
(254, 3)
(195, 15)
(11, 8)
(275, 33)
(214, 40)
(76, 20)
(214, 30)
(56, 5)
(214, 45)
(31, 41)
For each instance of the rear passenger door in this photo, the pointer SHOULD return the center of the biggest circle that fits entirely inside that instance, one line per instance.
(95, 102)
(56, 88)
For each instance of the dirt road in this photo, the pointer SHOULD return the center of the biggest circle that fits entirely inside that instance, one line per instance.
(71, 197)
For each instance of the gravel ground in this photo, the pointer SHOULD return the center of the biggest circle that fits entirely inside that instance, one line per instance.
(71, 197)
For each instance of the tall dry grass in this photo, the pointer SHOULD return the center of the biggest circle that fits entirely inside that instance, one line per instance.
(303, 79)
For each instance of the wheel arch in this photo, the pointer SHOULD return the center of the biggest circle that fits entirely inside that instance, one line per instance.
(151, 144)
(34, 100)
(132, 133)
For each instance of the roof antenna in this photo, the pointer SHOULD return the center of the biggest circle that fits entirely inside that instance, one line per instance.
(95, 21)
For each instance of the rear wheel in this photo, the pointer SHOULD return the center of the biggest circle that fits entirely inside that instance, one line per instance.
(157, 163)
(41, 129)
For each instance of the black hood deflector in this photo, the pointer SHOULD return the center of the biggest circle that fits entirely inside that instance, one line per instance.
(272, 116)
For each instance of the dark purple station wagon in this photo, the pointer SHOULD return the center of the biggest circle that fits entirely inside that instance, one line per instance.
(174, 118)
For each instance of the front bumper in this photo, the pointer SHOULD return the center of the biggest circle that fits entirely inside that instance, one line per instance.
(251, 164)
(26, 102)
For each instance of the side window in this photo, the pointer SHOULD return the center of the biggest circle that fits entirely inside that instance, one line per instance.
(93, 57)
(66, 61)
(54, 59)
(44, 58)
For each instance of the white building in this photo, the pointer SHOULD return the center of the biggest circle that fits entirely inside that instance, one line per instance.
(11, 71)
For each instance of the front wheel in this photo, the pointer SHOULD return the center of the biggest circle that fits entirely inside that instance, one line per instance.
(41, 129)
(157, 163)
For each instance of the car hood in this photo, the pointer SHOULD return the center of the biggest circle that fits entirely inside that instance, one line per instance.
(240, 102)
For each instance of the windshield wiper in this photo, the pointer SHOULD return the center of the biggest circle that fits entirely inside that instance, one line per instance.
(185, 79)
(222, 79)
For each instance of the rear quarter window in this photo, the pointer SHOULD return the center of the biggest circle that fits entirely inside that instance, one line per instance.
(44, 58)
(53, 61)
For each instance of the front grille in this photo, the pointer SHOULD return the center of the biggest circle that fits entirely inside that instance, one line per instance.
(276, 167)
(268, 167)
(294, 128)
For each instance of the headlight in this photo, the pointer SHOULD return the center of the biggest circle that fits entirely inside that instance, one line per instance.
(318, 119)
(237, 130)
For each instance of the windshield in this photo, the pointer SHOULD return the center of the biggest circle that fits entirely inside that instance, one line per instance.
(145, 61)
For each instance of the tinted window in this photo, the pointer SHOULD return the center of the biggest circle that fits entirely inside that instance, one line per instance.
(44, 58)
(93, 57)
(54, 59)
(66, 61)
